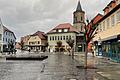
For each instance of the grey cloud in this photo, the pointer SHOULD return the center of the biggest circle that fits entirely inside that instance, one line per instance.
(27, 16)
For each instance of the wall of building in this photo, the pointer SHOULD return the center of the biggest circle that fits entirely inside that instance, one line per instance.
(8, 37)
(78, 21)
(36, 44)
(53, 42)
(34, 40)
(107, 29)
(1, 37)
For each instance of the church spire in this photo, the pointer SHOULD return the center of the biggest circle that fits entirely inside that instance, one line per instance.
(79, 8)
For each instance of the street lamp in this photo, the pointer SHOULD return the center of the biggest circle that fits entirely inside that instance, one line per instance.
(99, 48)
(73, 41)
(99, 41)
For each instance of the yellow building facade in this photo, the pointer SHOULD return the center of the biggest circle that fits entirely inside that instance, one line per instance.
(108, 36)
(37, 42)
(62, 33)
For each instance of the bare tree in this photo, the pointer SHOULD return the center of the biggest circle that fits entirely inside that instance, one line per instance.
(22, 45)
(89, 34)
(59, 45)
(70, 42)
(11, 47)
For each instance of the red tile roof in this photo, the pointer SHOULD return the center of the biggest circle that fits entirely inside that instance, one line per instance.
(25, 38)
(97, 18)
(40, 34)
(64, 26)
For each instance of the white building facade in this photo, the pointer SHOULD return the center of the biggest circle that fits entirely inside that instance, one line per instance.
(6, 37)
(62, 33)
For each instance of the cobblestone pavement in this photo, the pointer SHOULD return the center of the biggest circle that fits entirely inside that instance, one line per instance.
(56, 67)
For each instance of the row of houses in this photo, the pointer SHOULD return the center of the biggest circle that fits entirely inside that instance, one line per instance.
(61, 32)
(34, 42)
(107, 40)
(7, 38)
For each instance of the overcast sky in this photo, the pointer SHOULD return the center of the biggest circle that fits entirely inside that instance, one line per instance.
(28, 16)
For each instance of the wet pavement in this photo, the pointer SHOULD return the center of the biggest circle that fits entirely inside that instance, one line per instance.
(105, 67)
(56, 67)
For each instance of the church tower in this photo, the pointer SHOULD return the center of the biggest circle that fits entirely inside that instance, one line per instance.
(79, 18)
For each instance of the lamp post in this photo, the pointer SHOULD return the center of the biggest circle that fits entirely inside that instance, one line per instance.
(73, 41)
(99, 49)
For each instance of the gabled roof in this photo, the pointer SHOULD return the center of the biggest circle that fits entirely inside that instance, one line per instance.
(109, 4)
(97, 18)
(64, 26)
(40, 34)
(109, 13)
(6, 29)
(25, 38)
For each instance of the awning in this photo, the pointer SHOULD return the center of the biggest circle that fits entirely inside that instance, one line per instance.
(109, 38)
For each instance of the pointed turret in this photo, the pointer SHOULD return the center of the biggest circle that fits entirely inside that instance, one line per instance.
(79, 8)
(79, 18)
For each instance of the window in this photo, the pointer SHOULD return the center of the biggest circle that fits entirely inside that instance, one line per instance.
(60, 30)
(112, 20)
(58, 37)
(6, 39)
(72, 37)
(61, 37)
(108, 23)
(54, 30)
(65, 30)
(52, 37)
(34, 37)
(38, 42)
(69, 37)
(75, 19)
(81, 28)
(66, 37)
(81, 19)
(6, 33)
(103, 25)
(118, 16)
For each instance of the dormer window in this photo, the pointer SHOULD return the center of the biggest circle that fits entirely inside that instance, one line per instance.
(65, 30)
(60, 30)
(54, 30)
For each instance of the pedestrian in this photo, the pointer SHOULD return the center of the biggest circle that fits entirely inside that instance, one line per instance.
(92, 52)
(29, 50)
